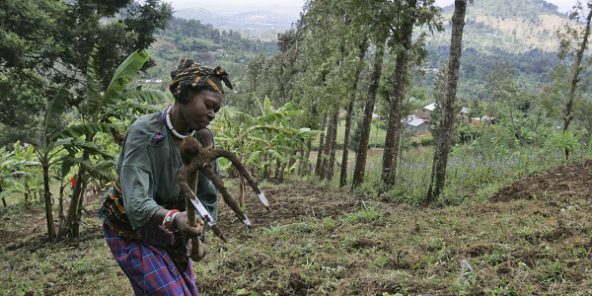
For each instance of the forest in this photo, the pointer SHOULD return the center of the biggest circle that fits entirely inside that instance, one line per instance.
(404, 148)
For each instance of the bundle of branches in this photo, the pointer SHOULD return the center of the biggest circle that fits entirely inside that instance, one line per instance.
(197, 158)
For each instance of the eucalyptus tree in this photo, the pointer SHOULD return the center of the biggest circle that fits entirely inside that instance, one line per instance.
(376, 15)
(361, 155)
(362, 48)
(347, 35)
(316, 73)
(569, 36)
(325, 22)
(446, 126)
(408, 13)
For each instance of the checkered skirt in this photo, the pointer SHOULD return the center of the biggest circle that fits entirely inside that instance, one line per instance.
(149, 268)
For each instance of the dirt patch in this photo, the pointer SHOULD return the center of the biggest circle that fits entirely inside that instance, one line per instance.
(561, 183)
(11, 233)
(289, 204)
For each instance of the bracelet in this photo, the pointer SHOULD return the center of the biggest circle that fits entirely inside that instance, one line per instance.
(168, 219)
(173, 220)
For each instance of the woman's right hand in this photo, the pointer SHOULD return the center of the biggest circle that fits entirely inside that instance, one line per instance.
(181, 223)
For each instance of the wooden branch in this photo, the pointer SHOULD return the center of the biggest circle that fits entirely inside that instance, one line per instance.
(198, 159)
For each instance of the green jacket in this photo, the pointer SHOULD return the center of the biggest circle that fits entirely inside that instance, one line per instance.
(147, 168)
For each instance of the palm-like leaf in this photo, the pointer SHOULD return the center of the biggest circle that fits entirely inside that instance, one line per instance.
(76, 131)
(53, 116)
(101, 169)
(124, 74)
(148, 96)
(93, 89)
(91, 147)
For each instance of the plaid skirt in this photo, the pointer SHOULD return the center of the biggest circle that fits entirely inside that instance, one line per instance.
(150, 269)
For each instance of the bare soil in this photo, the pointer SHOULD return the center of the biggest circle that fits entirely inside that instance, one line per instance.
(290, 203)
(561, 183)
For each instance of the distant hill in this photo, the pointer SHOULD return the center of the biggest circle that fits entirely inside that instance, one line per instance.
(206, 44)
(521, 34)
(515, 26)
(256, 24)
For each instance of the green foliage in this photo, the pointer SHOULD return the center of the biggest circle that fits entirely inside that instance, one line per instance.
(564, 141)
(367, 215)
(47, 46)
(269, 139)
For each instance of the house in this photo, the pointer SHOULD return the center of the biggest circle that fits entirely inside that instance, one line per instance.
(416, 124)
(430, 108)
(423, 115)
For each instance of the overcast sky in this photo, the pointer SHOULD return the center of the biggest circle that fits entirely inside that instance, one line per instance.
(293, 7)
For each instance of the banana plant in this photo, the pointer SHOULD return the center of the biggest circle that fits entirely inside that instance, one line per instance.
(100, 112)
(261, 141)
(6, 168)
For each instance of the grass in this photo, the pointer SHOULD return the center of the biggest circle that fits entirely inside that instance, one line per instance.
(475, 171)
(373, 248)
(377, 135)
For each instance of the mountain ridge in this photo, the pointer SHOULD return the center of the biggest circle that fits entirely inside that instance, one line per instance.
(516, 26)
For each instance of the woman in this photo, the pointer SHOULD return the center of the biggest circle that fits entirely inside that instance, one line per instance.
(145, 223)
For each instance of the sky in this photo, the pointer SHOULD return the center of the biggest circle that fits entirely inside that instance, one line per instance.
(293, 7)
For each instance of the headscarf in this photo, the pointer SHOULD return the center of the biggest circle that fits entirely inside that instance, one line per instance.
(191, 74)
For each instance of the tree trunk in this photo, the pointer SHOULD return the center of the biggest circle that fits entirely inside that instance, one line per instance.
(346, 135)
(446, 126)
(304, 166)
(301, 161)
(308, 167)
(61, 217)
(70, 223)
(576, 77)
(362, 154)
(51, 232)
(3, 200)
(282, 169)
(333, 146)
(320, 153)
(278, 168)
(75, 230)
(292, 161)
(326, 148)
(348, 117)
(265, 167)
(26, 194)
(391, 143)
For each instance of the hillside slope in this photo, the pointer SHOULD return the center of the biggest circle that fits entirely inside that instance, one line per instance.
(514, 26)
(318, 241)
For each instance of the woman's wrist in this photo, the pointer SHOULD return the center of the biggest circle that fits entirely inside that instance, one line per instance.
(169, 218)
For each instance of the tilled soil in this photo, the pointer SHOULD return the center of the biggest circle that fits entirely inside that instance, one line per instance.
(560, 183)
(289, 204)
(11, 233)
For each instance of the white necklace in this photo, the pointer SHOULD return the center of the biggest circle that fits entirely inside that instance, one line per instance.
(170, 125)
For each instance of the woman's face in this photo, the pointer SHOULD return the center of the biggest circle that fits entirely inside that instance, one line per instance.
(201, 109)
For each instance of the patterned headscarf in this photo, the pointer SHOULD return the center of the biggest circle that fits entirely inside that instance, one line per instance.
(193, 75)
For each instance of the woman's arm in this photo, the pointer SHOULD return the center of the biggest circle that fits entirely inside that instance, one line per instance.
(179, 223)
